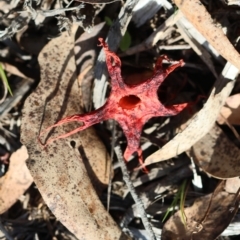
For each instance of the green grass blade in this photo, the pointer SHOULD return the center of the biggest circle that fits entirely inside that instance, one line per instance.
(173, 205)
(4, 79)
(125, 42)
(180, 196)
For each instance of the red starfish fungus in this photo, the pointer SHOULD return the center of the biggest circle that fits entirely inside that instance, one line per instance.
(130, 105)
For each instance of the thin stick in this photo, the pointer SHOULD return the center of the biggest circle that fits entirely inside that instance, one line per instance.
(133, 192)
(110, 166)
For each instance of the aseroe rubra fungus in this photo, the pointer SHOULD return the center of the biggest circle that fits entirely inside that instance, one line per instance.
(130, 105)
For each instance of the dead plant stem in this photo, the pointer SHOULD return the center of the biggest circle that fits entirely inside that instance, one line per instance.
(133, 192)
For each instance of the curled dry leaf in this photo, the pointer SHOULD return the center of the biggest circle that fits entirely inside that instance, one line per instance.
(205, 219)
(230, 110)
(59, 170)
(202, 122)
(197, 14)
(217, 155)
(16, 181)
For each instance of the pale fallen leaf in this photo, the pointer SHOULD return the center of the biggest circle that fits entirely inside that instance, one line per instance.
(16, 181)
(230, 111)
(205, 219)
(202, 122)
(59, 170)
(217, 155)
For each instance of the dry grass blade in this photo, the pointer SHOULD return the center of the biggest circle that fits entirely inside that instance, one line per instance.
(59, 170)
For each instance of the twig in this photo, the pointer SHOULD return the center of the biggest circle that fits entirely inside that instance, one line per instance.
(113, 39)
(174, 47)
(28, 6)
(16, 25)
(110, 165)
(54, 12)
(48, 13)
(133, 192)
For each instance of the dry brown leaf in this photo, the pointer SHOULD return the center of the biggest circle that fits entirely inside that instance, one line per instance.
(197, 14)
(60, 170)
(230, 111)
(205, 219)
(16, 181)
(201, 123)
(217, 155)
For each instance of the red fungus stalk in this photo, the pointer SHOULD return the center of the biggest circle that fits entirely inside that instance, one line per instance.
(130, 105)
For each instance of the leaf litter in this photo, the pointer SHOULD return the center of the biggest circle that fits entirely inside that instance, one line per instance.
(205, 219)
(82, 158)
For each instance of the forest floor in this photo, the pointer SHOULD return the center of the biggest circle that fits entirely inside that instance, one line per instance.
(135, 138)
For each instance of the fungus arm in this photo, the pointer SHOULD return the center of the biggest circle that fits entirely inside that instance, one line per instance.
(114, 67)
(87, 120)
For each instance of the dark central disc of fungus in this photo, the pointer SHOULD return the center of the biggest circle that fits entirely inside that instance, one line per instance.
(129, 102)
